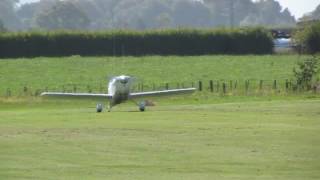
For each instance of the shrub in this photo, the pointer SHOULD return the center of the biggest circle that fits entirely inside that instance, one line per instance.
(306, 72)
(137, 43)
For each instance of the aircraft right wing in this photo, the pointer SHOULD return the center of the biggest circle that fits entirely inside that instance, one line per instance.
(164, 92)
(85, 95)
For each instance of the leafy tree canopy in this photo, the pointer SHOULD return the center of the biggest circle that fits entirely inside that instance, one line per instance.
(144, 14)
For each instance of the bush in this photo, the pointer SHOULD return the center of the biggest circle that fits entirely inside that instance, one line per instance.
(136, 43)
(308, 39)
(306, 72)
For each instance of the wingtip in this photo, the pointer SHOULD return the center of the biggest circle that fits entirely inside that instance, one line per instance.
(43, 94)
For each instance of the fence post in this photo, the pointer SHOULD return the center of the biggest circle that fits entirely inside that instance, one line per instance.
(261, 85)
(287, 84)
(275, 84)
(167, 86)
(298, 86)
(100, 88)
(74, 88)
(224, 87)
(200, 85)
(231, 85)
(89, 89)
(247, 86)
(290, 85)
(236, 85)
(25, 90)
(211, 85)
(8, 93)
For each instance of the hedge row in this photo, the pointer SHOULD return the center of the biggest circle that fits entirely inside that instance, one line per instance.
(135, 43)
(308, 38)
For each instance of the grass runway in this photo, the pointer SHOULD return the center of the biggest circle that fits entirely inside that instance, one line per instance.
(201, 136)
(241, 140)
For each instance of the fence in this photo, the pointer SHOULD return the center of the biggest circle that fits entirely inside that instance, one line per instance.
(214, 87)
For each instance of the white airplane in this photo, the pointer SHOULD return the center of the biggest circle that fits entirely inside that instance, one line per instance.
(119, 91)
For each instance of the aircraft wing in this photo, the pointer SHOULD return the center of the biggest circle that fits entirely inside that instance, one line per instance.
(85, 95)
(160, 93)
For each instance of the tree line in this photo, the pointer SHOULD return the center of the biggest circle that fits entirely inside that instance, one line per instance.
(141, 14)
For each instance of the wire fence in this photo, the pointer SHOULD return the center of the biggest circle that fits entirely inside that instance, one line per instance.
(215, 87)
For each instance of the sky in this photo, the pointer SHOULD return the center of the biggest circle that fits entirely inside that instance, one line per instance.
(296, 7)
(299, 7)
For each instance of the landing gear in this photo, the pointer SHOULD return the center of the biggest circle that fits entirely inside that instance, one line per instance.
(99, 108)
(142, 106)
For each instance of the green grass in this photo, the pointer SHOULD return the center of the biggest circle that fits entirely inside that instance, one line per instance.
(46, 139)
(199, 136)
(54, 73)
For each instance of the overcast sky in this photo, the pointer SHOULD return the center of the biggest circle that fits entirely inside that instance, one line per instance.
(296, 7)
(300, 7)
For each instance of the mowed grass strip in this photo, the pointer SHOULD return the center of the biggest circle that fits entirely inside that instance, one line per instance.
(56, 73)
(251, 140)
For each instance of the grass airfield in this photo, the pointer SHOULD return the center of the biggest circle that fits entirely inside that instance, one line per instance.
(273, 135)
(180, 138)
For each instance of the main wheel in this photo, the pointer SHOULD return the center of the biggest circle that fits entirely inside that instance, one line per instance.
(99, 108)
(142, 106)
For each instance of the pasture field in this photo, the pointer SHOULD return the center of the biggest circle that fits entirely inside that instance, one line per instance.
(245, 139)
(54, 73)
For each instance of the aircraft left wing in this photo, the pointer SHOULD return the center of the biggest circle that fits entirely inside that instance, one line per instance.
(86, 95)
(159, 93)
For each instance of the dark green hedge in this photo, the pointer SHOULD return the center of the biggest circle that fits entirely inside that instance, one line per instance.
(134, 43)
(308, 38)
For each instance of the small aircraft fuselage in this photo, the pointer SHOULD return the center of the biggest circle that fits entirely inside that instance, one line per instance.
(119, 88)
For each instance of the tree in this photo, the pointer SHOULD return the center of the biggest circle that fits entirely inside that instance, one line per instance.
(147, 14)
(191, 14)
(247, 12)
(156, 14)
(163, 20)
(242, 8)
(63, 15)
(100, 12)
(29, 11)
(7, 14)
(270, 13)
(2, 28)
(316, 13)
(221, 11)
